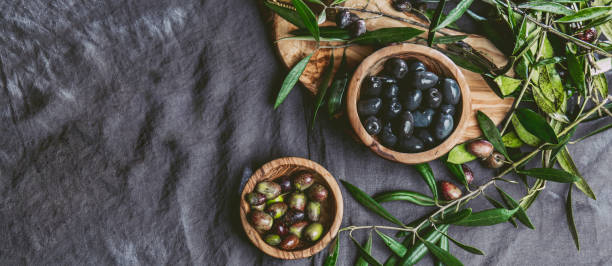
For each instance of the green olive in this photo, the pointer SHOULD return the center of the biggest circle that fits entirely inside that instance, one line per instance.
(277, 210)
(303, 180)
(313, 232)
(290, 242)
(261, 221)
(297, 228)
(297, 201)
(269, 189)
(272, 239)
(313, 211)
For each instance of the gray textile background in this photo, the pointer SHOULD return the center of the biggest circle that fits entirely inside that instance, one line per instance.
(125, 127)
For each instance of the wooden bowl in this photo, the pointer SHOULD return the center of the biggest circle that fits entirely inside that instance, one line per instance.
(331, 213)
(435, 62)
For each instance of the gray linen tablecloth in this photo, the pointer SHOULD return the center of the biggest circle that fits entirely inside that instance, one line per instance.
(126, 126)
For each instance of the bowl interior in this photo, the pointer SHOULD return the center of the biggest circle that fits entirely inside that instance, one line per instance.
(331, 209)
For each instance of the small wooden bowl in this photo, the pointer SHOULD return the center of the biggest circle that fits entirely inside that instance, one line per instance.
(435, 62)
(331, 218)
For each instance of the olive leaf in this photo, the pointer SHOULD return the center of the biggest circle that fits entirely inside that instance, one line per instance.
(601, 83)
(387, 35)
(365, 254)
(370, 203)
(511, 140)
(333, 257)
(435, 21)
(326, 32)
(405, 195)
(558, 147)
(498, 204)
(308, 17)
(336, 93)
(322, 88)
(443, 255)
(523, 134)
(536, 125)
(362, 261)
(454, 14)
(457, 172)
(322, 17)
(466, 63)
(606, 29)
(551, 174)
(575, 68)
(488, 217)
(585, 14)
(455, 217)
(507, 85)
(291, 79)
(443, 244)
(317, 2)
(548, 7)
(465, 247)
(425, 170)
(490, 131)
(337, 2)
(448, 39)
(460, 155)
(417, 251)
(396, 247)
(569, 212)
(287, 14)
(520, 214)
(548, 61)
(567, 163)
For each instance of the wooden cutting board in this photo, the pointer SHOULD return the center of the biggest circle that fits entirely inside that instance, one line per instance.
(291, 51)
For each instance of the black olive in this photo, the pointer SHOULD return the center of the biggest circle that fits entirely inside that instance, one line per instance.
(402, 5)
(390, 90)
(386, 136)
(405, 125)
(372, 86)
(392, 108)
(387, 79)
(357, 28)
(443, 126)
(416, 66)
(411, 100)
(412, 144)
(345, 18)
(423, 118)
(422, 80)
(447, 109)
(369, 107)
(424, 135)
(372, 125)
(433, 98)
(451, 93)
(397, 67)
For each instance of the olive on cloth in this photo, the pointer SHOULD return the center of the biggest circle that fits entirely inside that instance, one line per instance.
(469, 175)
(369, 107)
(269, 189)
(313, 232)
(496, 160)
(261, 220)
(449, 190)
(290, 242)
(480, 148)
(303, 180)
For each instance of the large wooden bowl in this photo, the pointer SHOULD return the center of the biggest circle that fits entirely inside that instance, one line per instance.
(435, 62)
(331, 213)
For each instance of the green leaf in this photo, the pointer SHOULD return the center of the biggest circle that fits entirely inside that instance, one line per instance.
(455, 217)
(460, 155)
(551, 174)
(521, 36)
(567, 163)
(291, 79)
(457, 172)
(488, 217)
(387, 35)
(523, 134)
(569, 212)
(548, 61)
(491, 133)
(335, 2)
(601, 83)
(454, 14)
(443, 255)
(362, 261)
(309, 19)
(333, 257)
(365, 253)
(396, 247)
(322, 17)
(549, 94)
(548, 7)
(586, 14)
(562, 143)
(466, 63)
(425, 170)
(511, 140)
(418, 250)
(370, 203)
(498, 204)
(435, 21)
(507, 84)
(330, 32)
(317, 2)
(336, 93)
(322, 88)
(575, 68)
(465, 247)
(443, 244)
(287, 14)
(449, 39)
(520, 214)
(536, 125)
(405, 195)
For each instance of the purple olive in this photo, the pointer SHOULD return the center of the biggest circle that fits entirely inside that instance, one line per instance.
(345, 18)
(293, 216)
(317, 192)
(280, 229)
(290, 242)
(357, 28)
(450, 191)
(261, 221)
(255, 198)
(303, 180)
(285, 183)
(480, 148)
(496, 160)
(469, 175)
(402, 5)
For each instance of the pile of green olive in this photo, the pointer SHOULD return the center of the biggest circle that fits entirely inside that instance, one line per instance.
(287, 211)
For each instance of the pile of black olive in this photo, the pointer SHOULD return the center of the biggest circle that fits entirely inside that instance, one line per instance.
(287, 212)
(347, 20)
(408, 108)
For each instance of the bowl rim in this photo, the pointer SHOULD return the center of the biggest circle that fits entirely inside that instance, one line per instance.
(408, 49)
(263, 174)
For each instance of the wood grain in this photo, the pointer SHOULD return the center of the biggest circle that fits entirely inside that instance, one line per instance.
(331, 214)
